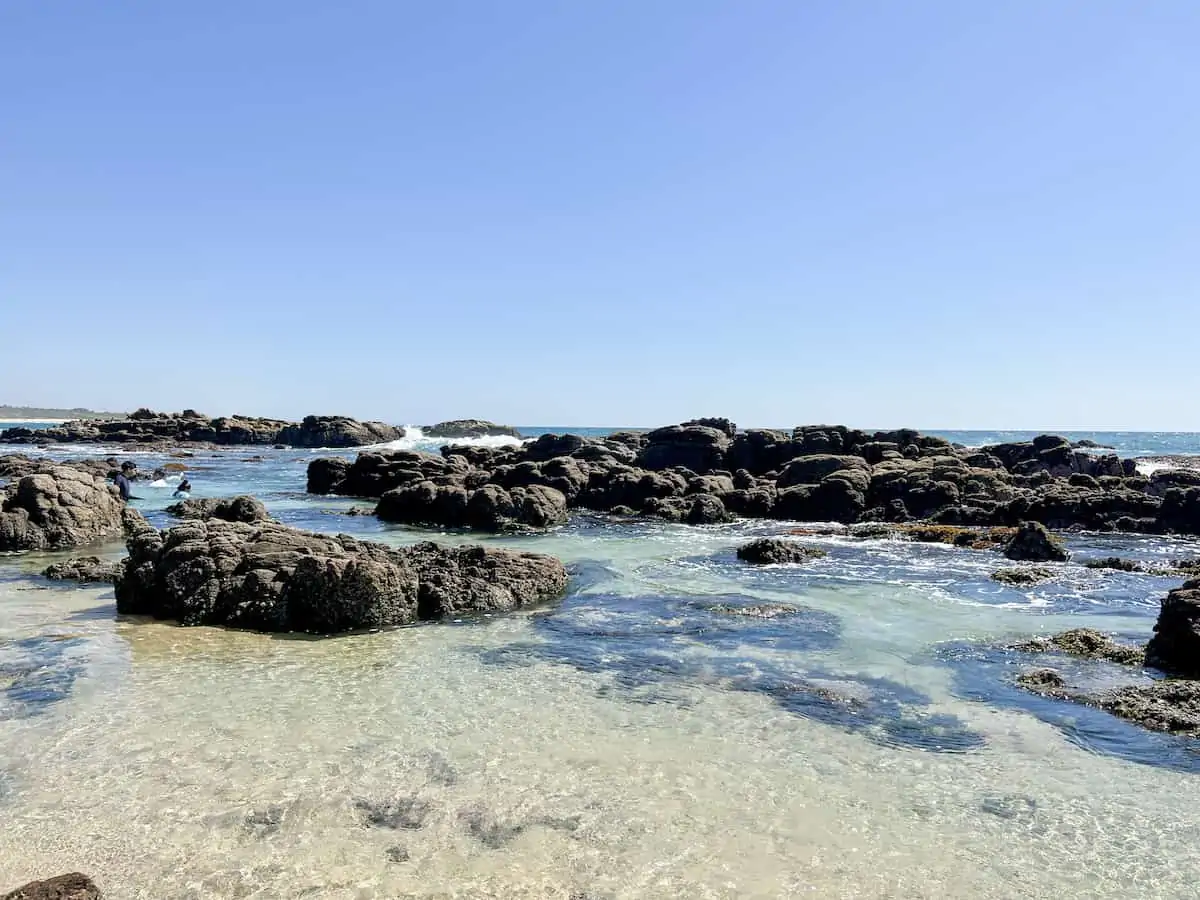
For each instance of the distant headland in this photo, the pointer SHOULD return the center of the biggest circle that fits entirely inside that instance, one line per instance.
(38, 413)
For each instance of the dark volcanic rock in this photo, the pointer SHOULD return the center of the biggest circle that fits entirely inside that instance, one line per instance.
(148, 427)
(813, 469)
(84, 569)
(1175, 646)
(696, 447)
(1034, 543)
(1086, 643)
(327, 474)
(816, 473)
(242, 508)
(469, 428)
(705, 509)
(275, 578)
(425, 503)
(74, 886)
(1170, 705)
(1115, 562)
(58, 508)
(1023, 575)
(1042, 681)
(336, 431)
(777, 550)
(492, 508)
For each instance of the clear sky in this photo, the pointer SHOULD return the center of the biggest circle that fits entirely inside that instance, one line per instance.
(940, 214)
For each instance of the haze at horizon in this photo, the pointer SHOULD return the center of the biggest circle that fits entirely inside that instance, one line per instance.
(936, 215)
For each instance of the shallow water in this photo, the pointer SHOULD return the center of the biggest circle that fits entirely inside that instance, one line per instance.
(635, 740)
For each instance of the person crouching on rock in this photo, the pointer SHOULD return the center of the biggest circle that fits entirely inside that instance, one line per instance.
(123, 484)
(185, 487)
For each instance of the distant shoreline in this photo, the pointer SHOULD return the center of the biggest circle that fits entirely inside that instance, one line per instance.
(33, 421)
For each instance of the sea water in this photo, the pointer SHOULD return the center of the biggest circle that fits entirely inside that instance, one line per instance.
(632, 740)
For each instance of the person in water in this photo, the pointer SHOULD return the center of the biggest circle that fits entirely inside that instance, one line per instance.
(123, 483)
(185, 487)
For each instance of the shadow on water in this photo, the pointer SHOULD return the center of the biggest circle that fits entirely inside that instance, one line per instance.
(988, 674)
(653, 648)
(36, 672)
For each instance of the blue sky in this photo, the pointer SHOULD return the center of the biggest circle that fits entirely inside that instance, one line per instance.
(937, 214)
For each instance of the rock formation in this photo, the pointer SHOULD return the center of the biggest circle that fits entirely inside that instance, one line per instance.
(62, 887)
(1034, 543)
(242, 508)
(190, 427)
(271, 577)
(815, 473)
(777, 550)
(469, 428)
(58, 508)
(84, 569)
(1175, 646)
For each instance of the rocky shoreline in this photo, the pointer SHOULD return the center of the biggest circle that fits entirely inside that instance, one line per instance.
(190, 428)
(229, 563)
(707, 471)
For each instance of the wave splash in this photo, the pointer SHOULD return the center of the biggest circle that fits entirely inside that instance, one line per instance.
(416, 439)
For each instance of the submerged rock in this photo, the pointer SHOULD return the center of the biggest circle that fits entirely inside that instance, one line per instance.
(242, 508)
(58, 508)
(1042, 681)
(1034, 542)
(756, 610)
(958, 535)
(74, 886)
(1023, 575)
(777, 550)
(1116, 563)
(272, 577)
(85, 569)
(1175, 646)
(1086, 643)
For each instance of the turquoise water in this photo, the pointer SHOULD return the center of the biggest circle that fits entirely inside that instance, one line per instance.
(626, 742)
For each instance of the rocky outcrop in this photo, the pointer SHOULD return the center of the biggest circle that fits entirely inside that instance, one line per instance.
(1175, 646)
(242, 508)
(1034, 543)
(190, 427)
(814, 473)
(1170, 705)
(469, 428)
(490, 508)
(271, 577)
(1085, 643)
(777, 550)
(58, 508)
(699, 448)
(84, 569)
(1023, 575)
(74, 886)
(336, 431)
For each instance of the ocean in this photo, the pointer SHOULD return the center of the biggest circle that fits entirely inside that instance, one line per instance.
(624, 743)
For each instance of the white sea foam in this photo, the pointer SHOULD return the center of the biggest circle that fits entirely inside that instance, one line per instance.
(415, 439)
